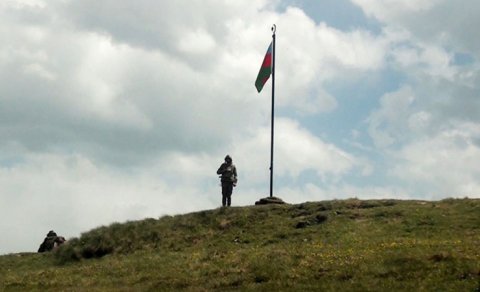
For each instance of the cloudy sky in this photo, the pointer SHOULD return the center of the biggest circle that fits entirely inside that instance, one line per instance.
(119, 110)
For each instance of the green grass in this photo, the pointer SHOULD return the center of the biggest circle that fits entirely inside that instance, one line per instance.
(348, 245)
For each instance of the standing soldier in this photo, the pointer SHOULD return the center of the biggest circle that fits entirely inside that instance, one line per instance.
(228, 175)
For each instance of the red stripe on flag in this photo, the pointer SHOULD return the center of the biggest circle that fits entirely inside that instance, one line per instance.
(267, 62)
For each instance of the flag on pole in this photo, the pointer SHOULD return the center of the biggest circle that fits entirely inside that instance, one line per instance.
(265, 70)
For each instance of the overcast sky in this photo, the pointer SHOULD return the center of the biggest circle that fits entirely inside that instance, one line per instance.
(117, 110)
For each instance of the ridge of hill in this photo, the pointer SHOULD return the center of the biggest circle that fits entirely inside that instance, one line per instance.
(340, 245)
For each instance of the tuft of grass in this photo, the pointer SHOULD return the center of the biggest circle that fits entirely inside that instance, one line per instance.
(339, 245)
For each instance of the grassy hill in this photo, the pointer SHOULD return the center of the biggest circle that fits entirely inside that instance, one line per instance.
(347, 245)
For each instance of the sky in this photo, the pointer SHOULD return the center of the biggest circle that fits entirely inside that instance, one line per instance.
(116, 110)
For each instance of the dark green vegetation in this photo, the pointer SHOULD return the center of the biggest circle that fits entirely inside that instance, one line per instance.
(348, 245)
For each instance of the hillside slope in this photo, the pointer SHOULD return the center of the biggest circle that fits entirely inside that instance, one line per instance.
(343, 245)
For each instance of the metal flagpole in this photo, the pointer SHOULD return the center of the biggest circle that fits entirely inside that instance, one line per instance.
(274, 29)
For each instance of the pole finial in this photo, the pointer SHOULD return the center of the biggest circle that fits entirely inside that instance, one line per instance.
(274, 28)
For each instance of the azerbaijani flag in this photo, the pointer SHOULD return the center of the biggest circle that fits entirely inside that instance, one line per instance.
(265, 70)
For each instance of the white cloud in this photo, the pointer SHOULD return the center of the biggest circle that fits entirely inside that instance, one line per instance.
(441, 22)
(196, 42)
(419, 121)
(387, 124)
(19, 4)
(38, 70)
(296, 150)
(428, 60)
(428, 128)
(445, 164)
(431, 152)
(115, 89)
(314, 54)
(392, 9)
(315, 192)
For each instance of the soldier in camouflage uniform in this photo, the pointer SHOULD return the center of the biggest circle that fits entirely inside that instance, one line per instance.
(228, 177)
(51, 241)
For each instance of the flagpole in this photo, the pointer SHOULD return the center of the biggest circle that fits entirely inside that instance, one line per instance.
(274, 29)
